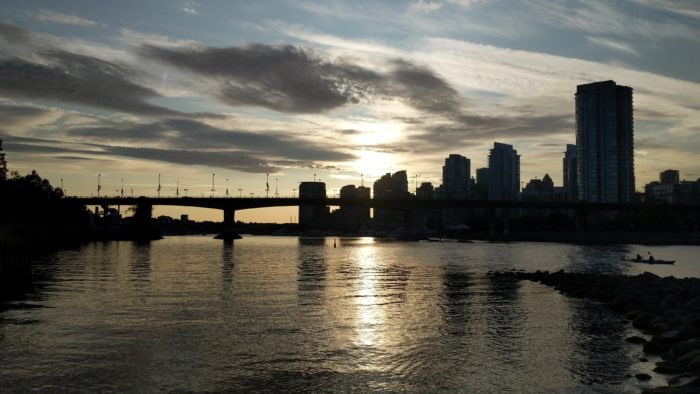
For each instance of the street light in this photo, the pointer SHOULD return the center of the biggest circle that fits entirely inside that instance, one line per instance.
(213, 189)
(99, 185)
(132, 193)
(294, 193)
(122, 189)
(267, 185)
(240, 193)
(185, 189)
(158, 190)
(276, 195)
(226, 187)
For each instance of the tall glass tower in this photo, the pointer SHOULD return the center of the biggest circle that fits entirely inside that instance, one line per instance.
(604, 141)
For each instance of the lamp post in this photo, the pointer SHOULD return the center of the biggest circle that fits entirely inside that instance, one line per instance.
(276, 195)
(185, 189)
(267, 185)
(294, 193)
(226, 187)
(158, 190)
(99, 185)
(177, 188)
(314, 178)
(122, 189)
(213, 189)
(132, 193)
(240, 193)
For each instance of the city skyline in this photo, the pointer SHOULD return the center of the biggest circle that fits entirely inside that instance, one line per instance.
(296, 89)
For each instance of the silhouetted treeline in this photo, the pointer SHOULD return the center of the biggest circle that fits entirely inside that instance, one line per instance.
(32, 212)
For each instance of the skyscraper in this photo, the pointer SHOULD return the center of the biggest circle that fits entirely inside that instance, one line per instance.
(571, 172)
(455, 177)
(604, 141)
(504, 172)
(390, 186)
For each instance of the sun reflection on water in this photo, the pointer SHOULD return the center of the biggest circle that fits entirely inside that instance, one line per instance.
(370, 313)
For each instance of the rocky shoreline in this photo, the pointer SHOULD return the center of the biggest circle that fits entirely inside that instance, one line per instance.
(668, 309)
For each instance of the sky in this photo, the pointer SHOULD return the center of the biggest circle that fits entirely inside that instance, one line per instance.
(229, 92)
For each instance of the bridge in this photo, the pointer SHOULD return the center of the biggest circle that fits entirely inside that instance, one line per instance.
(229, 205)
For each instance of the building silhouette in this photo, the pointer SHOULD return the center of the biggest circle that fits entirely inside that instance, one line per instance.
(539, 189)
(425, 191)
(352, 218)
(456, 184)
(313, 216)
(570, 173)
(504, 172)
(604, 141)
(390, 186)
(669, 177)
(481, 187)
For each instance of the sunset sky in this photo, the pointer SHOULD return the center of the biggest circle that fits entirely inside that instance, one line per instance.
(338, 89)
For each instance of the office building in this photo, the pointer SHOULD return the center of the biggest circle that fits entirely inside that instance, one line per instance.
(456, 177)
(503, 172)
(390, 186)
(604, 142)
(669, 177)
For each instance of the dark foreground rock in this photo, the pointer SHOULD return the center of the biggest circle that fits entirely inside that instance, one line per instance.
(666, 308)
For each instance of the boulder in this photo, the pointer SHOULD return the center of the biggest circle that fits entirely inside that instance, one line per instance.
(635, 339)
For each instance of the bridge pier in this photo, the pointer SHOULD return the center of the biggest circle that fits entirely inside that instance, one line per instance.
(228, 232)
(143, 228)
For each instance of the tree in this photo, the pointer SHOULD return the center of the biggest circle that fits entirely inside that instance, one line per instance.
(3, 164)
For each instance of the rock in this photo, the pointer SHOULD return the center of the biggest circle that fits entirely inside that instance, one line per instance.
(643, 320)
(636, 339)
(669, 367)
(688, 357)
(657, 346)
(694, 365)
(643, 377)
(671, 334)
(643, 359)
(681, 348)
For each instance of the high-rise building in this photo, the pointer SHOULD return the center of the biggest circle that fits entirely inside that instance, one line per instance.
(669, 177)
(455, 177)
(425, 191)
(455, 185)
(353, 218)
(390, 186)
(504, 172)
(571, 172)
(313, 216)
(604, 141)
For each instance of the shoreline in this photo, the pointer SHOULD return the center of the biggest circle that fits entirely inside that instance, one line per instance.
(667, 308)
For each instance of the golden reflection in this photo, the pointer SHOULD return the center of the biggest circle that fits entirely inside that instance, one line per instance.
(370, 314)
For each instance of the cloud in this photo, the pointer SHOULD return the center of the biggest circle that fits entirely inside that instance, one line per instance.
(190, 134)
(191, 7)
(14, 35)
(229, 159)
(424, 7)
(612, 44)
(68, 77)
(293, 80)
(56, 17)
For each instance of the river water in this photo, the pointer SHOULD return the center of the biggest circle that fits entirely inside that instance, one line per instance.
(288, 314)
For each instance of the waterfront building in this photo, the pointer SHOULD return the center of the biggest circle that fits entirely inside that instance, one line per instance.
(539, 189)
(353, 218)
(604, 142)
(570, 173)
(669, 177)
(503, 172)
(390, 186)
(456, 184)
(313, 216)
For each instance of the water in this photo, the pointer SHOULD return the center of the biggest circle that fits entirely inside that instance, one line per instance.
(282, 313)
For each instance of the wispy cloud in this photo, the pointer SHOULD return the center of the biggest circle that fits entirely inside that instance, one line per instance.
(424, 7)
(57, 17)
(191, 7)
(612, 44)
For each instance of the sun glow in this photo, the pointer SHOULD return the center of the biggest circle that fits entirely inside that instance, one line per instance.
(372, 163)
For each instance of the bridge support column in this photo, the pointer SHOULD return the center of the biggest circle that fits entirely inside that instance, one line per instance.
(228, 233)
(143, 228)
(506, 219)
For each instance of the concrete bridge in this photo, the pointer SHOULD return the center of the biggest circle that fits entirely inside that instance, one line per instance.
(229, 205)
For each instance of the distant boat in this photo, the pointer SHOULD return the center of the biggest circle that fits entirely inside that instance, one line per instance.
(647, 261)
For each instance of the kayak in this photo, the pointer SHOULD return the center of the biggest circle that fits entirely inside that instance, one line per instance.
(647, 261)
